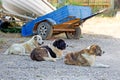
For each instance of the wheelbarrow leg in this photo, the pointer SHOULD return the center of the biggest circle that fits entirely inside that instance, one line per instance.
(74, 35)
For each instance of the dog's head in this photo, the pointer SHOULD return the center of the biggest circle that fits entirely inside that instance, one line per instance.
(38, 39)
(96, 50)
(60, 44)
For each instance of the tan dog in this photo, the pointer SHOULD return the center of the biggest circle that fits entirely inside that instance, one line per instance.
(49, 52)
(85, 57)
(26, 47)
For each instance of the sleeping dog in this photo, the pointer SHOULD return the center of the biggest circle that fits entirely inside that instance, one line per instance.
(26, 47)
(85, 57)
(49, 52)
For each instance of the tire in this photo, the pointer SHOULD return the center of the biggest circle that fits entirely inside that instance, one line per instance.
(74, 35)
(45, 30)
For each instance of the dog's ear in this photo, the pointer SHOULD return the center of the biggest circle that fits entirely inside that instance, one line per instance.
(93, 49)
(96, 49)
(55, 43)
(35, 37)
(60, 44)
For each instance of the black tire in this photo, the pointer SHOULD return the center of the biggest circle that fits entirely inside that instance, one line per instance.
(74, 35)
(45, 30)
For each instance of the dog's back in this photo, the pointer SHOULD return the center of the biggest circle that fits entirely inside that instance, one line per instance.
(76, 58)
(15, 49)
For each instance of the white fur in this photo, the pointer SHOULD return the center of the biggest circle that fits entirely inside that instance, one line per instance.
(91, 59)
(24, 48)
(99, 65)
(88, 47)
(58, 54)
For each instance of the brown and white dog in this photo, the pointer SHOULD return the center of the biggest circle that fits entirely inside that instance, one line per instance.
(85, 57)
(26, 47)
(49, 52)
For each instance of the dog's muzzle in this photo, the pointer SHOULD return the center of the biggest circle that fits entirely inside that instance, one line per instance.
(40, 43)
(103, 52)
(67, 46)
(100, 54)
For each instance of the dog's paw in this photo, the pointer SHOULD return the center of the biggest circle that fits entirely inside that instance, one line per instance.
(102, 66)
(54, 60)
(105, 66)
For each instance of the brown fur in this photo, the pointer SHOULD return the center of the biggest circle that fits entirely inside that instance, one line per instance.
(49, 52)
(39, 53)
(77, 58)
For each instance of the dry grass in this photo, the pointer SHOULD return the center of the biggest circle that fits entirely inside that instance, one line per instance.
(2, 42)
(10, 35)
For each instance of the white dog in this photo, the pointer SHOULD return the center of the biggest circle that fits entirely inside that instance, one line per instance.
(26, 47)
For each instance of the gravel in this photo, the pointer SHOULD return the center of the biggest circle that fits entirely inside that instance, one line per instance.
(16, 67)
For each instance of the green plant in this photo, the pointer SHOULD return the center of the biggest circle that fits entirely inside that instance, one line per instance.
(76, 3)
(109, 13)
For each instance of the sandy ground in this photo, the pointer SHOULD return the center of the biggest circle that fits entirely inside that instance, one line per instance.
(102, 31)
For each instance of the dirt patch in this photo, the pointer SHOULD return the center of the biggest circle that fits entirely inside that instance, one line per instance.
(102, 26)
(102, 31)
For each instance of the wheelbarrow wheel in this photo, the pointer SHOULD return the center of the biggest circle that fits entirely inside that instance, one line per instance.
(45, 30)
(74, 35)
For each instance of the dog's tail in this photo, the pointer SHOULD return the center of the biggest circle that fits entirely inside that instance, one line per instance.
(6, 52)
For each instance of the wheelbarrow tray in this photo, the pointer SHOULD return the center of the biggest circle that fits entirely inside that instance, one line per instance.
(58, 18)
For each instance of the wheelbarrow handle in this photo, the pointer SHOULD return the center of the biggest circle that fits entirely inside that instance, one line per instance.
(99, 12)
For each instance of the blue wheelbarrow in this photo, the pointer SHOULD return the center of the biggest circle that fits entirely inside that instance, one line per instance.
(66, 19)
